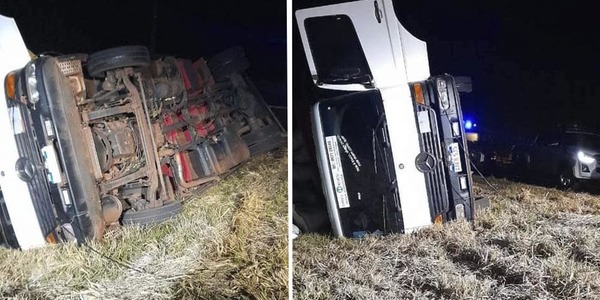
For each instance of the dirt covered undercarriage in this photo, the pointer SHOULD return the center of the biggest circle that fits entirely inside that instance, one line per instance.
(123, 136)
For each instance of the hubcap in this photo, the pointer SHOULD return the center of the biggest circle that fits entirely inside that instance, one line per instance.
(564, 180)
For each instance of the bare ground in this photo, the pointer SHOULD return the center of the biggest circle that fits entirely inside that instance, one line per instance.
(534, 243)
(230, 242)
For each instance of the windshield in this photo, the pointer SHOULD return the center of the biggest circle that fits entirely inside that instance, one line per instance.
(336, 50)
(584, 140)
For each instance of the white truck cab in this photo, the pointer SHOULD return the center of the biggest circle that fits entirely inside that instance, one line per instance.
(23, 225)
(391, 150)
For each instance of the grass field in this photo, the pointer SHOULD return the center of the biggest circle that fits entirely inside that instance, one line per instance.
(229, 242)
(534, 243)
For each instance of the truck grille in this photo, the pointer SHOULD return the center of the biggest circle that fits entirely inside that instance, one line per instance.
(434, 180)
(38, 186)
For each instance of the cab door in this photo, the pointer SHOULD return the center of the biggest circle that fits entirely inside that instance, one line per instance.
(360, 45)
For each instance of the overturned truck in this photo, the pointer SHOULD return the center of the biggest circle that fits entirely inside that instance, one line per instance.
(118, 137)
(390, 144)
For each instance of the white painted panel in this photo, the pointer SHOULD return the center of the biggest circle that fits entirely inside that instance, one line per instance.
(404, 142)
(14, 55)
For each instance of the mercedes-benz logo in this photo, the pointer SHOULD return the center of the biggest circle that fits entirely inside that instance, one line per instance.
(425, 162)
(25, 169)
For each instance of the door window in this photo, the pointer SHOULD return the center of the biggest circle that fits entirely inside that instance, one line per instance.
(336, 50)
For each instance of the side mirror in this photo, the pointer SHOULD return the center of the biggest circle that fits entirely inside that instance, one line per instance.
(463, 84)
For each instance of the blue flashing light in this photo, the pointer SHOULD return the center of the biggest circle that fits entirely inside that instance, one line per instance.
(468, 124)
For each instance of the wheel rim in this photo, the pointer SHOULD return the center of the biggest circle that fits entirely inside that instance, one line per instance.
(564, 180)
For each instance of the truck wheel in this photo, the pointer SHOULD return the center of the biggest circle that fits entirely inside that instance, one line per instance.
(118, 57)
(566, 180)
(151, 216)
(227, 62)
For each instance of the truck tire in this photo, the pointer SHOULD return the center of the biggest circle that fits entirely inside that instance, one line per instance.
(566, 179)
(151, 216)
(227, 62)
(118, 57)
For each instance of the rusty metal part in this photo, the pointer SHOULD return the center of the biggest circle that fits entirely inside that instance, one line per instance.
(169, 187)
(103, 152)
(115, 144)
(103, 113)
(111, 208)
(78, 87)
(87, 132)
(166, 152)
(186, 122)
(105, 187)
(196, 182)
(154, 147)
(122, 142)
(165, 88)
(143, 123)
(205, 75)
(158, 135)
(71, 68)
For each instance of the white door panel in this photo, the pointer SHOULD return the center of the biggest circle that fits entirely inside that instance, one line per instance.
(394, 56)
(14, 55)
(415, 56)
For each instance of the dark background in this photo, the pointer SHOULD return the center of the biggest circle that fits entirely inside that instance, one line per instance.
(532, 64)
(189, 29)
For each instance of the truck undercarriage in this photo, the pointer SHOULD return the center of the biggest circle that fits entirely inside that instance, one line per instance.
(118, 137)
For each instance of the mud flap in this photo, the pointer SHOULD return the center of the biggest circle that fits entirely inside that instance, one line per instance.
(481, 204)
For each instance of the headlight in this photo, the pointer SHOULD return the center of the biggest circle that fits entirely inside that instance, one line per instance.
(585, 158)
(443, 93)
(34, 95)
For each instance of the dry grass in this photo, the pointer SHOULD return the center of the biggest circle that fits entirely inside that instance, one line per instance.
(253, 259)
(238, 226)
(535, 243)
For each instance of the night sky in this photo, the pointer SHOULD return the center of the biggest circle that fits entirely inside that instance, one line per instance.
(175, 28)
(531, 65)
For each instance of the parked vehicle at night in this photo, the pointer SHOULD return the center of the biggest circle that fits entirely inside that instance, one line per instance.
(495, 154)
(118, 137)
(391, 144)
(566, 157)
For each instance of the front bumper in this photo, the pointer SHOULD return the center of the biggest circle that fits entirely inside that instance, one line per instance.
(586, 171)
(84, 212)
(442, 136)
(70, 198)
